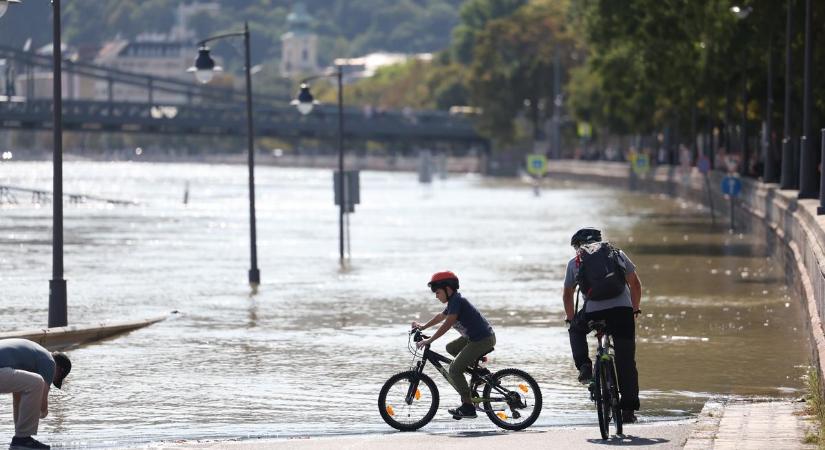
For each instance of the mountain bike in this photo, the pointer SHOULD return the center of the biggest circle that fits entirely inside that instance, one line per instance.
(510, 398)
(604, 388)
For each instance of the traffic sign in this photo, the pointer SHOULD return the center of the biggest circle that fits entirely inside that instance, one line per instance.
(731, 186)
(641, 164)
(537, 164)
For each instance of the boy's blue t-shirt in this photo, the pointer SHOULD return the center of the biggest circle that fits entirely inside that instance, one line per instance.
(471, 324)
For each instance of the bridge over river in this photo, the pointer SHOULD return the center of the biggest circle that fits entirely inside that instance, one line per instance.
(218, 111)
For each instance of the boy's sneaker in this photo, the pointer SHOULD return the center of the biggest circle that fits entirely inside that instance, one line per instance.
(628, 416)
(463, 411)
(585, 373)
(26, 442)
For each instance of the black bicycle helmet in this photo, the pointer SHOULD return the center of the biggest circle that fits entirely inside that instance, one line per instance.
(586, 236)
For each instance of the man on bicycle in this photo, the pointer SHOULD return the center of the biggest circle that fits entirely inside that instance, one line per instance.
(477, 337)
(618, 312)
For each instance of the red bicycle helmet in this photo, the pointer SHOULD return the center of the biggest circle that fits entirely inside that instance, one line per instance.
(439, 280)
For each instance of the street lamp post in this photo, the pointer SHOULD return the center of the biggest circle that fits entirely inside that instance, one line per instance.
(57, 285)
(741, 13)
(305, 102)
(204, 70)
(769, 172)
(790, 170)
(808, 157)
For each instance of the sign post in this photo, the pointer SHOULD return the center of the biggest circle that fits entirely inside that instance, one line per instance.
(537, 167)
(704, 167)
(731, 186)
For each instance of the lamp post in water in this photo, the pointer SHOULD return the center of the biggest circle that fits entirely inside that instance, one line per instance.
(57, 285)
(305, 103)
(204, 70)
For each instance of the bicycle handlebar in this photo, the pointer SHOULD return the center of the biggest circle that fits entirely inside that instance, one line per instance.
(418, 336)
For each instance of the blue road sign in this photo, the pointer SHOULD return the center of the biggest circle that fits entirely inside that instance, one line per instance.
(731, 186)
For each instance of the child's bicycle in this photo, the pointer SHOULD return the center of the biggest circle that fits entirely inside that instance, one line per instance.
(409, 400)
(604, 388)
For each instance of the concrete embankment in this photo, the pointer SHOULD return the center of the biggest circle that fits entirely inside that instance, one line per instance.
(61, 338)
(794, 221)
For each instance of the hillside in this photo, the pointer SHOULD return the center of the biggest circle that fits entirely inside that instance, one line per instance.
(345, 27)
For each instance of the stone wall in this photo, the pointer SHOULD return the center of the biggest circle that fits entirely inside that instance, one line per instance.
(794, 221)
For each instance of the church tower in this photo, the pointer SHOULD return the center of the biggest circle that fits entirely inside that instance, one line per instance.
(299, 46)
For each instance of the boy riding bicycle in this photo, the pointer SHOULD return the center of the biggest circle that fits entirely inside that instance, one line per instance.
(477, 337)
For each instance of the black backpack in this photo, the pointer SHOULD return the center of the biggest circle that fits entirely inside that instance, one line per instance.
(601, 276)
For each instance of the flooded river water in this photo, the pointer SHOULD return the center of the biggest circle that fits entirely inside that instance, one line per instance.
(308, 353)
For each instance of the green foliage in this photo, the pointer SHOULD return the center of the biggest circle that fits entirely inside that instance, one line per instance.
(345, 27)
(651, 62)
(475, 14)
(513, 65)
(815, 408)
(416, 84)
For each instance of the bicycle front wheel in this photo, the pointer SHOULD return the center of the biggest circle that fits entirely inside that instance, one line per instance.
(512, 399)
(393, 400)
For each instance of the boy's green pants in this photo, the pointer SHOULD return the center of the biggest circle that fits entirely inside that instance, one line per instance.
(466, 353)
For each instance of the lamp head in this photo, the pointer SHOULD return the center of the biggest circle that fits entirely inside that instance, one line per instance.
(305, 101)
(741, 12)
(4, 5)
(204, 67)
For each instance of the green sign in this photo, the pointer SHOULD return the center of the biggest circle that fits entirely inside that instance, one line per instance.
(584, 130)
(641, 164)
(536, 165)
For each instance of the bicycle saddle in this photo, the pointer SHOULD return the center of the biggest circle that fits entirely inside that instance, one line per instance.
(483, 357)
(598, 325)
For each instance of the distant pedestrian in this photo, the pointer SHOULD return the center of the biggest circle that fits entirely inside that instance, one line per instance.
(26, 371)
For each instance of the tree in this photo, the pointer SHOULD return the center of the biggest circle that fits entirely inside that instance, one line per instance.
(513, 63)
(475, 14)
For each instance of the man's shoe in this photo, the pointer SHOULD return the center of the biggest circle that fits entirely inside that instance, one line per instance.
(27, 442)
(585, 373)
(464, 411)
(628, 416)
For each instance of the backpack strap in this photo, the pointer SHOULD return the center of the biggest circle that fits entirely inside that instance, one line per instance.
(576, 308)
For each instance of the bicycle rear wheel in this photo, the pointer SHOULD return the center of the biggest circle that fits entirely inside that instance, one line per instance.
(613, 384)
(393, 406)
(601, 400)
(519, 403)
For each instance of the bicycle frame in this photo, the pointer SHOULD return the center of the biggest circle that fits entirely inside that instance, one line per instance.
(438, 361)
(605, 359)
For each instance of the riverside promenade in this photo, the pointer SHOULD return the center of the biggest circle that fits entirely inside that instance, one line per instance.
(722, 425)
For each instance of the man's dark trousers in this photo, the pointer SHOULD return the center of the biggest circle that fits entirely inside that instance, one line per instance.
(622, 326)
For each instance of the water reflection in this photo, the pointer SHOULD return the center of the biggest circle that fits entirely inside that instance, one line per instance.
(309, 351)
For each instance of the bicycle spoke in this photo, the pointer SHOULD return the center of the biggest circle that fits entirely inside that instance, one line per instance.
(406, 406)
(519, 403)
